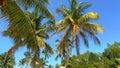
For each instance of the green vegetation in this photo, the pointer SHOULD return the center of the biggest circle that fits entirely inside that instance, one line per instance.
(110, 58)
(27, 29)
(9, 63)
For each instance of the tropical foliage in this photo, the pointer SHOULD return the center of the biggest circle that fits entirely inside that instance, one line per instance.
(27, 28)
(108, 59)
(24, 27)
(9, 63)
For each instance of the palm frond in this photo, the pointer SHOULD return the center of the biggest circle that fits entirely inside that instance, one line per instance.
(63, 10)
(47, 51)
(14, 48)
(59, 30)
(19, 22)
(99, 28)
(73, 5)
(84, 37)
(93, 27)
(42, 32)
(63, 39)
(57, 26)
(29, 3)
(93, 36)
(17, 17)
(38, 6)
(83, 6)
(41, 8)
(87, 16)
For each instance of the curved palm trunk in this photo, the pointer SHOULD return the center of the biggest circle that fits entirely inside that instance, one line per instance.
(38, 57)
(68, 55)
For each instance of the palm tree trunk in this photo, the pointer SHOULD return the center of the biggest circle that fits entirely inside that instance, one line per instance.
(68, 55)
(38, 57)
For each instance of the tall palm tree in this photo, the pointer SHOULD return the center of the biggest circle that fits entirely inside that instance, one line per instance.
(34, 41)
(9, 63)
(77, 24)
(23, 29)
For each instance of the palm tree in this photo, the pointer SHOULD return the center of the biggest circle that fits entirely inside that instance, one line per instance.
(78, 25)
(28, 59)
(50, 66)
(9, 63)
(23, 29)
(35, 42)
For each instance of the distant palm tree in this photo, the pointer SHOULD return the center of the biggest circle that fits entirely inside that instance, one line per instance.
(26, 60)
(78, 25)
(50, 66)
(23, 29)
(9, 63)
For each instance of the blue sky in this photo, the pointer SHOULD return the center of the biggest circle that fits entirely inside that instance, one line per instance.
(109, 11)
